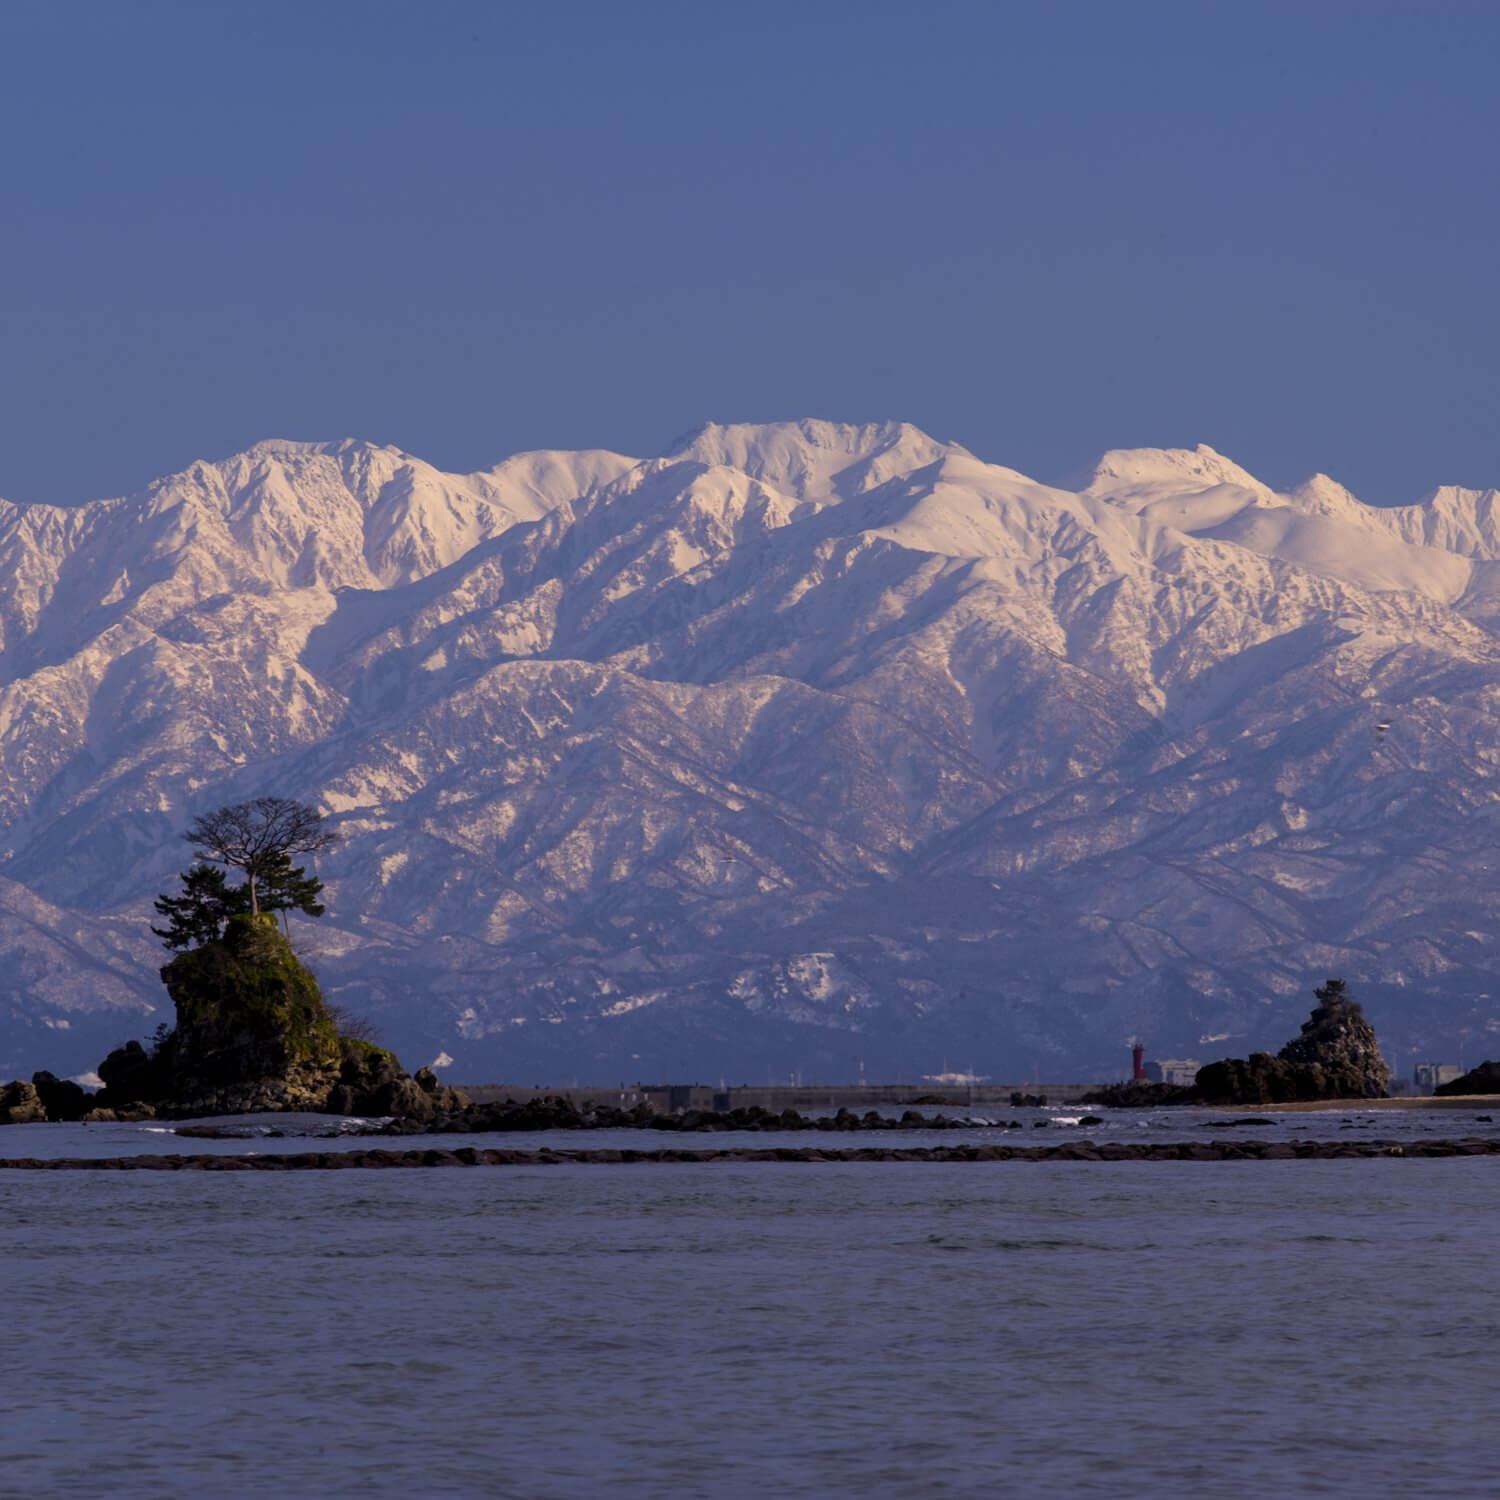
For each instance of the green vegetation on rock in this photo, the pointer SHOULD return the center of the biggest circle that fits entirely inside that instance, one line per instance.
(253, 1030)
(200, 914)
(248, 1009)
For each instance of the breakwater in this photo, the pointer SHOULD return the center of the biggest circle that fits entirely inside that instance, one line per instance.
(553, 1113)
(472, 1156)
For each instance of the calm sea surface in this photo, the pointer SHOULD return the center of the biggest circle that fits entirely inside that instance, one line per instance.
(744, 1329)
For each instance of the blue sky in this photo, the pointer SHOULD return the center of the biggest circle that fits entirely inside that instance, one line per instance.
(1042, 230)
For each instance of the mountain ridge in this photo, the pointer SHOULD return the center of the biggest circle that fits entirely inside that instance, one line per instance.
(621, 749)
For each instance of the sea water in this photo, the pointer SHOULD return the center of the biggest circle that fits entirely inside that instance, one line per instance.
(752, 1329)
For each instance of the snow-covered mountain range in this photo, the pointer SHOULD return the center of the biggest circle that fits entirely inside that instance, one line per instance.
(800, 748)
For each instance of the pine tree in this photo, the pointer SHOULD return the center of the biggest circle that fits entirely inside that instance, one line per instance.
(208, 901)
(199, 914)
(288, 887)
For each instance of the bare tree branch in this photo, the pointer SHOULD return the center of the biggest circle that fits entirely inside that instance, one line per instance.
(251, 836)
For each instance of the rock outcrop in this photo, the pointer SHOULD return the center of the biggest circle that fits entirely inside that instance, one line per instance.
(471, 1156)
(61, 1097)
(1335, 1056)
(1264, 1079)
(44, 1098)
(252, 1031)
(134, 1079)
(371, 1081)
(1338, 1039)
(1485, 1079)
(253, 1034)
(20, 1103)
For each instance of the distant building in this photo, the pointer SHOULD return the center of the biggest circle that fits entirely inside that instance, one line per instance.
(1181, 1070)
(1427, 1076)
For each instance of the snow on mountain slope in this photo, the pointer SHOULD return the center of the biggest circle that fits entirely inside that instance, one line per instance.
(1319, 526)
(1138, 477)
(355, 515)
(1457, 520)
(817, 461)
(797, 745)
(1337, 550)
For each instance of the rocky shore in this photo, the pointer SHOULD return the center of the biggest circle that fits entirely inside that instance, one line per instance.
(470, 1156)
(556, 1112)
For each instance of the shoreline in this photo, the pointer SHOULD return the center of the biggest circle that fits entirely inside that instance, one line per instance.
(1347, 1106)
(471, 1156)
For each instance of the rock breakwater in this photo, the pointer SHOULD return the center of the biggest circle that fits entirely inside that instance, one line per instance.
(471, 1156)
(557, 1112)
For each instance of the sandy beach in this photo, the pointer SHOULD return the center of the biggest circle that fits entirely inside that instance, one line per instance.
(1347, 1106)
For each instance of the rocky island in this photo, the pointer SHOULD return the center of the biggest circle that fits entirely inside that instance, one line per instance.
(1335, 1056)
(253, 1034)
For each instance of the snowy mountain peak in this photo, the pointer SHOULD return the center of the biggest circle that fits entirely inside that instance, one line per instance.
(1454, 499)
(1153, 473)
(1321, 492)
(293, 448)
(550, 477)
(1321, 495)
(812, 459)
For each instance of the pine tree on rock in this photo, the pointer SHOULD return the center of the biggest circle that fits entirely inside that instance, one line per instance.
(208, 901)
(288, 887)
(198, 915)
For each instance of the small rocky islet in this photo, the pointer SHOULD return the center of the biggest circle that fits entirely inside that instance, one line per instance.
(253, 1035)
(1335, 1057)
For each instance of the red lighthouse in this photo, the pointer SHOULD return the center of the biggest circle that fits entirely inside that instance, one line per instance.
(1138, 1061)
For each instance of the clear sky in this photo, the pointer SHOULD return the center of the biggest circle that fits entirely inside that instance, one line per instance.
(1040, 229)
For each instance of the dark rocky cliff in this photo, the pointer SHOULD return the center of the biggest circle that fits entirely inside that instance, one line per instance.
(1338, 1039)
